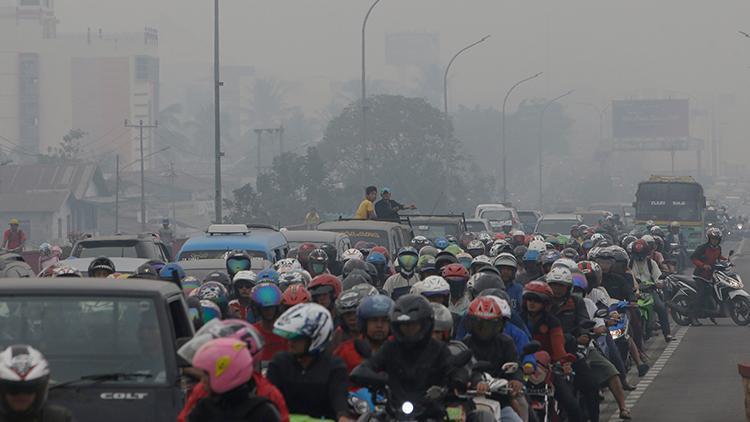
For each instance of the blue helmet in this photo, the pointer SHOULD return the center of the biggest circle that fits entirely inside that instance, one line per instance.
(269, 275)
(441, 243)
(550, 256)
(169, 271)
(531, 255)
(372, 307)
(377, 259)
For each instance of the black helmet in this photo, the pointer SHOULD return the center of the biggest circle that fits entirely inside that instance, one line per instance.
(146, 271)
(486, 280)
(330, 251)
(236, 261)
(351, 265)
(101, 264)
(372, 271)
(444, 258)
(317, 262)
(220, 278)
(412, 308)
(502, 294)
(354, 278)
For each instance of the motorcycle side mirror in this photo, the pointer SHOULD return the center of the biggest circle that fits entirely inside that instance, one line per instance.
(462, 358)
(601, 313)
(364, 376)
(510, 367)
(531, 348)
(731, 252)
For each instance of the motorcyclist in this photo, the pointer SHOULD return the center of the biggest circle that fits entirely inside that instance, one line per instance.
(46, 257)
(101, 267)
(414, 361)
(236, 261)
(317, 262)
(457, 276)
(324, 290)
(704, 257)
(294, 295)
(380, 262)
(676, 239)
(373, 326)
(531, 265)
(313, 382)
(14, 239)
(346, 313)
(24, 382)
(266, 307)
(242, 285)
(647, 273)
(507, 265)
(400, 283)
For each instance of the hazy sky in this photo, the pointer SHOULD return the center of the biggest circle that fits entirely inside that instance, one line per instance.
(603, 49)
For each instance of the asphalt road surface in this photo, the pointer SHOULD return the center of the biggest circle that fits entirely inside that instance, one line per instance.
(695, 377)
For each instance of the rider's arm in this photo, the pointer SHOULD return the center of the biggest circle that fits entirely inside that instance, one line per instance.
(698, 256)
(557, 340)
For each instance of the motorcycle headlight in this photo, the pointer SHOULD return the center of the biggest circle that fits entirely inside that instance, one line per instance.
(739, 227)
(407, 408)
(359, 406)
(617, 333)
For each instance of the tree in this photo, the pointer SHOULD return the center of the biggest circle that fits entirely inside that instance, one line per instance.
(244, 207)
(410, 148)
(68, 149)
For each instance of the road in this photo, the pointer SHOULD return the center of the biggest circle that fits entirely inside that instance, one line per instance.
(695, 377)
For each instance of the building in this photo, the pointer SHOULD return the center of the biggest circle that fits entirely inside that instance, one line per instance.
(53, 82)
(51, 201)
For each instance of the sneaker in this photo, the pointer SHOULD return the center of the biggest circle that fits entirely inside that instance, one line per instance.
(642, 369)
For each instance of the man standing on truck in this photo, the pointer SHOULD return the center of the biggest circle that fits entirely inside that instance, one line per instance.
(387, 208)
(366, 209)
(14, 239)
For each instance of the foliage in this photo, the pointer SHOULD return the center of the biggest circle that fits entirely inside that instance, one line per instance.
(68, 149)
(244, 207)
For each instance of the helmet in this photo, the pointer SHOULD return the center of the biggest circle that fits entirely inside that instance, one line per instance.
(713, 233)
(380, 249)
(306, 320)
(227, 361)
(317, 262)
(330, 251)
(269, 275)
(531, 255)
(350, 265)
(412, 308)
(213, 291)
(219, 277)
(303, 252)
(499, 247)
(565, 262)
(286, 265)
(14, 221)
(431, 286)
(620, 255)
(172, 270)
(506, 259)
(441, 243)
(244, 278)
(483, 281)
(216, 328)
(237, 260)
(489, 308)
(374, 306)
(455, 272)
(656, 231)
(64, 271)
(451, 239)
(428, 250)
(210, 310)
(45, 248)
(650, 239)
(291, 278)
(355, 278)
(480, 262)
(407, 259)
(189, 284)
(559, 275)
(443, 318)
(674, 224)
(146, 271)
(377, 259)
(549, 257)
(23, 369)
(454, 249)
(101, 264)
(502, 294)
(580, 282)
(537, 289)
(295, 294)
(444, 258)
(597, 237)
(640, 249)
(352, 254)
(475, 248)
(325, 283)
(265, 295)
(419, 242)
(569, 253)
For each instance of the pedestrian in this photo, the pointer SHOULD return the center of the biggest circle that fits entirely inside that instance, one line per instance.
(312, 218)
(166, 234)
(366, 209)
(14, 239)
(387, 208)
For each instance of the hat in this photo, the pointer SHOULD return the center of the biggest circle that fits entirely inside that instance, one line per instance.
(385, 190)
(14, 221)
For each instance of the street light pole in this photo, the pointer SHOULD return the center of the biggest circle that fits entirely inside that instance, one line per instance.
(447, 69)
(539, 144)
(364, 91)
(503, 143)
(217, 122)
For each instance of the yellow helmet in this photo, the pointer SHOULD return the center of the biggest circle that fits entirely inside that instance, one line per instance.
(14, 221)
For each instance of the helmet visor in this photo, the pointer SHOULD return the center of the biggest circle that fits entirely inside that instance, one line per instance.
(408, 262)
(236, 265)
(210, 313)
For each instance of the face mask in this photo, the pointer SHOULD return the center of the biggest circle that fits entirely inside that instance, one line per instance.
(457, 288)
(407, 263)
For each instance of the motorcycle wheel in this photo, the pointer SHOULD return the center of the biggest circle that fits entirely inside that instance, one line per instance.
(740, 310)
(682, 301)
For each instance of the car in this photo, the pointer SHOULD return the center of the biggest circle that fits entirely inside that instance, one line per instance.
(264, 244)
(499, 215)
(144, 245)
(122, 265)
(478, 225)
(297, 237)
(390, 235)
(435, 226)
(200, 268)
(557, 223)
(529, 218)
(592, 218)
(111, 346)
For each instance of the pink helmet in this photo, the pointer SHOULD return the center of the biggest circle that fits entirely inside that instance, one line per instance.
(227, 361)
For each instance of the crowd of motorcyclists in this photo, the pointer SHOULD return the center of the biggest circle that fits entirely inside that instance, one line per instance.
(336, 337)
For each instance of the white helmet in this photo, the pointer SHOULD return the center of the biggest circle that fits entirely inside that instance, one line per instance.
(597, 237)
(308, 320)
(23, 368)
(245, 275)
(433, 285)
(566, 263)
(352, 254)
(537, 245)
(559, 275)
(443, 318)
(504, 306)
(287, 264)
(648, 239)
(506, 259)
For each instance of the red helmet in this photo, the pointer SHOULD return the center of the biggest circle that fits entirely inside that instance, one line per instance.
(382, 250)
(303, 252)
(295, 294)
(537, 289)
(455, 272)
(640, 248)
(325, 283)
(486, 308)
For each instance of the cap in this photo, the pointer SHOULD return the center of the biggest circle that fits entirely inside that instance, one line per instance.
(13, 221)
(385, 190)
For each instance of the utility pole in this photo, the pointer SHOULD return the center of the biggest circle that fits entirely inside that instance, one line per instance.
(117, 193)
(363, 129)
(172, 175)
(140, 127)
(217, 121)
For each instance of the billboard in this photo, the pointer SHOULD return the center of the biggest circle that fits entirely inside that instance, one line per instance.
(650, 119)
(412, 49)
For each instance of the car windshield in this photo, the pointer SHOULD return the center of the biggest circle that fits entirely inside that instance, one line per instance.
(475, 226)
(82, 336)
(296, 245)
(433, 230)
(215, 254)
(555, 226)
(378, 237)
(117, 249)
(497, 215)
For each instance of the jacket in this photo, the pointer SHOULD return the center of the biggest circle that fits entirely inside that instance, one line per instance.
(547, 331)
(705, 254)
(570, 314)
(238, 405)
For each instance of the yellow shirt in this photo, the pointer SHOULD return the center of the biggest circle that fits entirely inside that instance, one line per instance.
(365, 207)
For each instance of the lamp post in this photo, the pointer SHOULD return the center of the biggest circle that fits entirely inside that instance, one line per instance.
(447, 69)
(541, 135)
(502, 138)
(364, 89)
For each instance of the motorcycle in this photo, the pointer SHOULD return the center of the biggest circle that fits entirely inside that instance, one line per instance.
(728, 297)
(645, 305)
(673, 259)
(618, 323)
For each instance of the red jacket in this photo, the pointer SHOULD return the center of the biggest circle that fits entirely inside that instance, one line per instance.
(705, 254)
(274, 343)
(348, 353)
(263, 388)
(548, 331)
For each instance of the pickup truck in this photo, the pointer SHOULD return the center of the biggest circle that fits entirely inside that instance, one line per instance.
(111, 345)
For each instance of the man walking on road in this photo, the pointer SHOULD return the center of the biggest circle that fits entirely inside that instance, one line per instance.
(366, 209)
(387, 208)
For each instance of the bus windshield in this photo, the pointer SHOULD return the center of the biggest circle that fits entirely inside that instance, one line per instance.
(669, 201)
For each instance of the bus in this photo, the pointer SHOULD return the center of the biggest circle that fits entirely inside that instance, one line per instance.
(663, 199)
